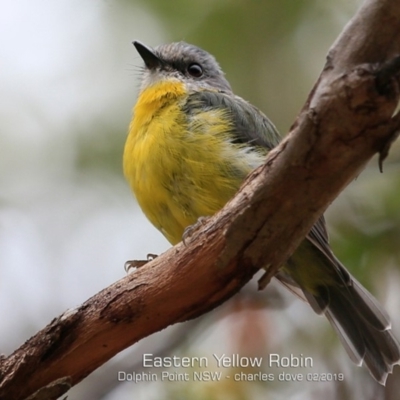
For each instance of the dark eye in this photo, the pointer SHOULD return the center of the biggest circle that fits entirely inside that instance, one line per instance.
(195, 70)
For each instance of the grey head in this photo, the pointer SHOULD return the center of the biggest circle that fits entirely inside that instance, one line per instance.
(185, 62)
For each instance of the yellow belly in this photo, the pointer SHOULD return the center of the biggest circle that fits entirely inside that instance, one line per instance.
(180, 171)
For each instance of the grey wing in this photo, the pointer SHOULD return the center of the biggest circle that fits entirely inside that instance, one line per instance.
(318, 235)
(250, 124)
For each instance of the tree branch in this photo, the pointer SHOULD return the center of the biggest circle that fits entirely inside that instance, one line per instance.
(345, 121)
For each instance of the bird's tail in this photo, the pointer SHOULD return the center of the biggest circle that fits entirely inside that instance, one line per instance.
(362, 325)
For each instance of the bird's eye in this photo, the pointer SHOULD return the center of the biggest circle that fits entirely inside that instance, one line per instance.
(195, 70)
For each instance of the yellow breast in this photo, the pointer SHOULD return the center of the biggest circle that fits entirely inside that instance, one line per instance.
(180, 168)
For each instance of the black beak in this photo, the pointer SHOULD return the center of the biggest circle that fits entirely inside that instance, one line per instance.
(150, 59)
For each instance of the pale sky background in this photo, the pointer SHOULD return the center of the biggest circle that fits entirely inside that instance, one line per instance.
(64, 234)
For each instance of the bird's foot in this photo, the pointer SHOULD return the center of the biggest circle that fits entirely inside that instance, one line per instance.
(190, 230)
(132, 265)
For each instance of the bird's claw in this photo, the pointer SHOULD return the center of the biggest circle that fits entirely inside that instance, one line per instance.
(132, 265)
(189, 230)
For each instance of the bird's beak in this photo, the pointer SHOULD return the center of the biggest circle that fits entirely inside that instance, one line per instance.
(150, 59)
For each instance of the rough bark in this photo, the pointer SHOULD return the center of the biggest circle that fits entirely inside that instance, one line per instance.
(347, 118)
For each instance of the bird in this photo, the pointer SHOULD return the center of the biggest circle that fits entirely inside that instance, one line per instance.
(191, 143)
